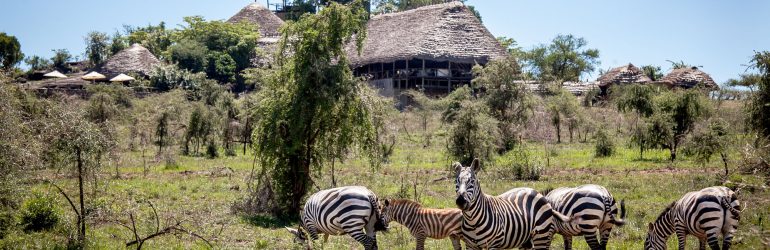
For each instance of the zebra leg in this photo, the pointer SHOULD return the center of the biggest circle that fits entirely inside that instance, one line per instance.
(567, 242)
(456, 242)
(701, 244)
(727, 241)
(713, 240)
(420, 242)
(357, 234)
(605, 234)
(681, 235)
(592, 241)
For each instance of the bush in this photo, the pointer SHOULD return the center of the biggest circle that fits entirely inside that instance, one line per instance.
(211, 150)
(39, 213)
(6, 223)
(604, 146)
(474, 134)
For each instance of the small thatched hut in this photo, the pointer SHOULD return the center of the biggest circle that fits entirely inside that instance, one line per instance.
(432, 47)
(269, 23)
(135, 59)
(689, 78)
(627, 74)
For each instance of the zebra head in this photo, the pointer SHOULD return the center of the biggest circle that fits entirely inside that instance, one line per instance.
(466, 184)
(385, 210)
(299, 235)
(654, 240)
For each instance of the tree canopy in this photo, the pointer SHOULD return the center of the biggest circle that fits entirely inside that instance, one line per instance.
(10, 51)
(566, 58)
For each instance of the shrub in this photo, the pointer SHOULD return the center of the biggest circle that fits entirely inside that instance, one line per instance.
(39, 213)
(211, 150)
(604, 146)
(6, 223)
(474, 134)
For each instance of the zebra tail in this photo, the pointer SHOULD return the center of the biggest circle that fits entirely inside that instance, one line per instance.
(726, 204)
(380, 224)
(560, 217)
(621, 221)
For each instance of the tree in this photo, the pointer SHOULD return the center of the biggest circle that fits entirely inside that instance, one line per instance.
(745, 80)
(509, 102)
(758, 110)
(512, 47)
(676, 115)
(474, 133)
(60, 59)
(653, 72)
(118, 43)
(639, 99)
(563, 108)
(565, 59)
(97, 47)
(189, 55)
(312, 102)
(37, 63)
(156, 38)
(710, 140)
(10, 51)
(161, 131)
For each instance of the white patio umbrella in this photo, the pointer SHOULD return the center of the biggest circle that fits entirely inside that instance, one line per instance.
(55, 74)
(122, 78)
(93, 76)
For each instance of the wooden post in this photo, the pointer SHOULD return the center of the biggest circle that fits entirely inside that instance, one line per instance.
(449, 77)
(423, 71)
(407, 74)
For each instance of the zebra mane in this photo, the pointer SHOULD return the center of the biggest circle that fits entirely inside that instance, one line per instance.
(546, 191)
(404, 202)
(665, 211)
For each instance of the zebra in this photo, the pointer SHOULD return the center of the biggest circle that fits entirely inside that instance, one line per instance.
(595, 209)
(425, 222)
(522, 219)
(705, 214)
(343, 210)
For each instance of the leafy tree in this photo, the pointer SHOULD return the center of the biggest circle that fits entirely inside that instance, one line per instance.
(676, 115)
(474, 133)
(156, 38)
(758, 110)
(563, 108)
(10, 51)
(312, 102)
(653, 72)
(710, 140)
(750, 81)
(101, 108)
(511, 46)
(639, 99)
(189, 55)
(199, 129)
(164, 78)
(97, 47)
(565, 59)
(118, 43)
(509, 102)
(452, 103)
(60, 59)
(162, 131)
(221, 67)
(37, 63)
(604, 146)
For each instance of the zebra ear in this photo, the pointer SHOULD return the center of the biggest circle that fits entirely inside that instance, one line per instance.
(650, 226)
(476, 165)
(457, 166)
(387, 202)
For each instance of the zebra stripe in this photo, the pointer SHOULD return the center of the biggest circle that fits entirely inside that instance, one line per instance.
(343, 210)
(705, 214)
(425, 222)
(594, 209)
(518, 218)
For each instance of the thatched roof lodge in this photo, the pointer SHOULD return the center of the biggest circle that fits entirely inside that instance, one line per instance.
(135, 59)
(627, 74)
(689, 78)
(433, 47)
(269, 23)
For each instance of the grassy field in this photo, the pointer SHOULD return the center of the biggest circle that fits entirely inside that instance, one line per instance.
(199, 194)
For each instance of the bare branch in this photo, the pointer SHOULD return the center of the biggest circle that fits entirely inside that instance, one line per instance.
(66, 197)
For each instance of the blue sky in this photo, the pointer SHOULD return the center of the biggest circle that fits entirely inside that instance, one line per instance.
(718, 35)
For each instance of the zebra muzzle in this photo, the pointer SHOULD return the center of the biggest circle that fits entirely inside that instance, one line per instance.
(461, 202)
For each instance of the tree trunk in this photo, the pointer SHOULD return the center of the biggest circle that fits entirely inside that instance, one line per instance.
(724, 160)
(334, 180)
(673, 153)
(82, 226)
(558, 133)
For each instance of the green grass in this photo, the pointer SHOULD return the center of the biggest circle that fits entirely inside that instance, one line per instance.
(200, 192)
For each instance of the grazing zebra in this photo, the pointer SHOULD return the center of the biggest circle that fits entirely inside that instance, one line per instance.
(593, 207)
(522, 219)
(425, 222)
(343, 210)
(706, 214)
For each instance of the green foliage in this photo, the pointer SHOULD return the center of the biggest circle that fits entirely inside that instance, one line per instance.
(101, 108)
(452, 103)
(634, 97)
(512, 47)
(676, 114)
(653, 72)
(604, 146)
(710, 140)
(590, 98)
(122, 96)
(97, 47)
(212, 152)
(189, 55)
(60, 59)
(156, 38)
(565, 59)
(221, 67)
(118, 43)
(521, 165)
(312, 103)
(474, 133)
(7, 222)
(164, 78)
(199, 129)
(758, 110)
(509, 102)
(37, 63)
(39, 213)
(10, 51)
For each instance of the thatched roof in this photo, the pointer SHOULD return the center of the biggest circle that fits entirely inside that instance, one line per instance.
(269, 23)
(438, 32)
(623, 75)
(688, 78)
(135, 59)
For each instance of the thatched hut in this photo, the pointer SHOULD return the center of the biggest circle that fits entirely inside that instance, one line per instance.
(269, 23)
(432, 47)
(688, 78)
(135, 59)
(627, 74)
